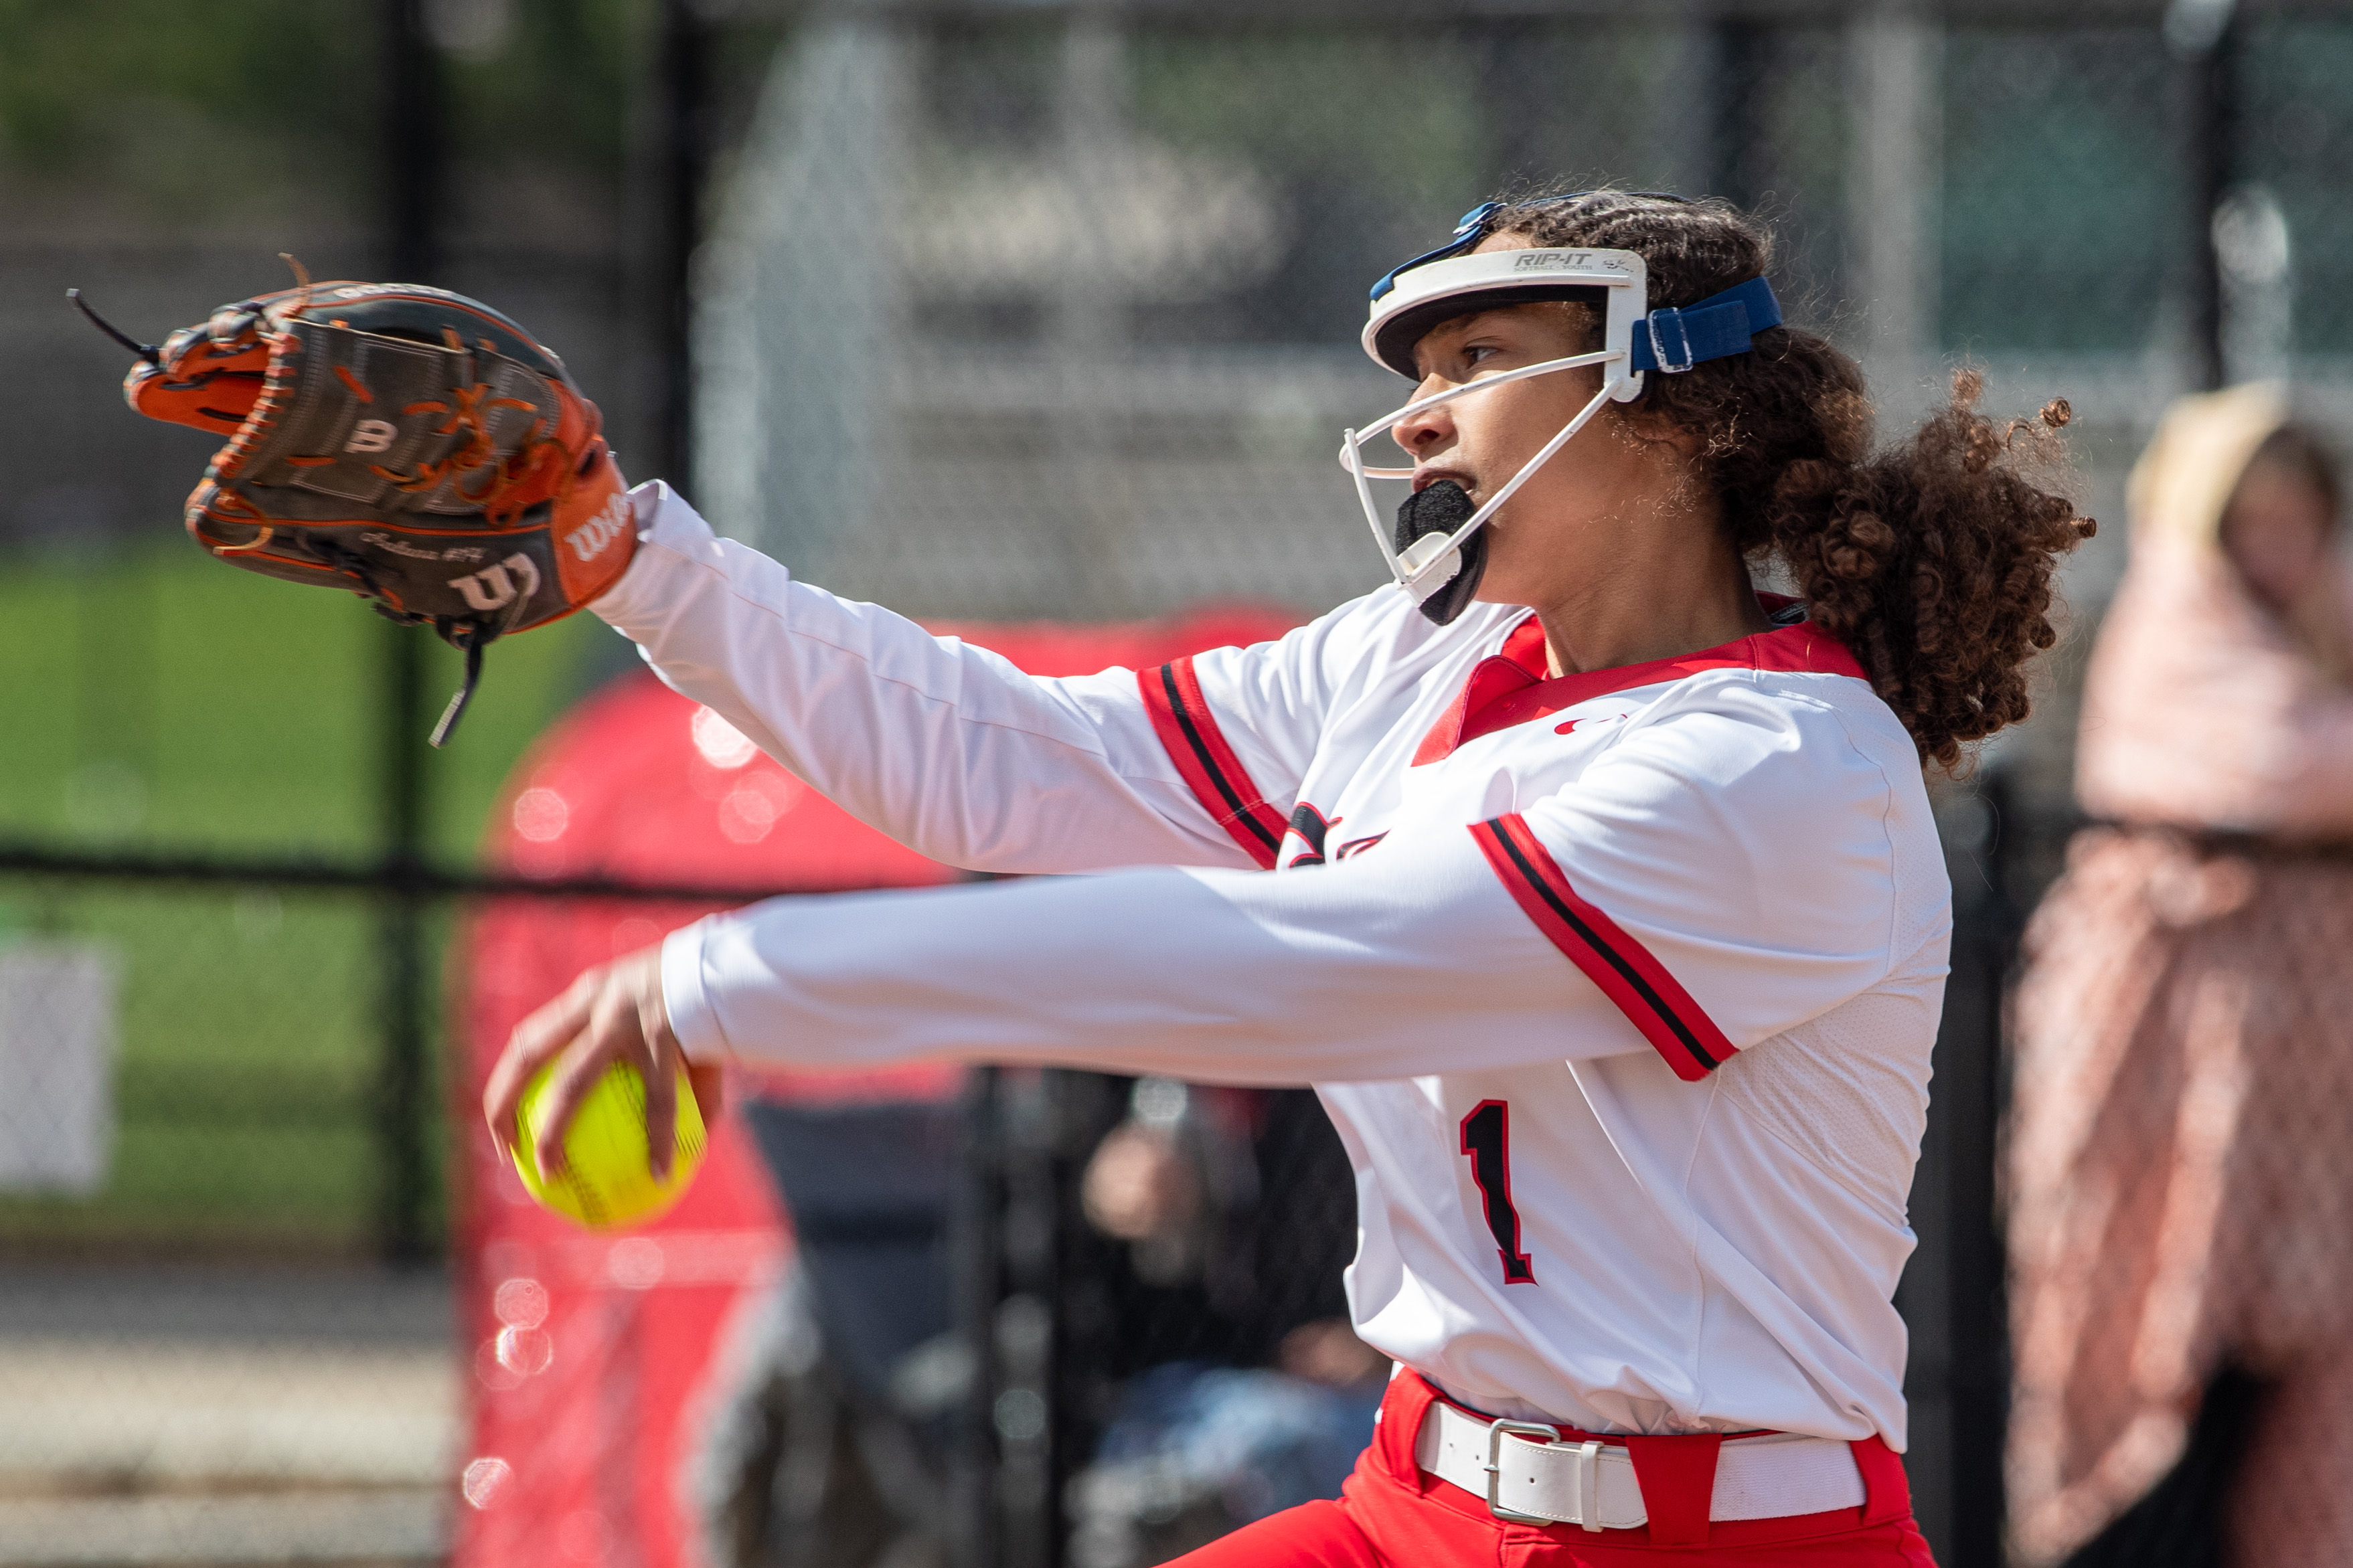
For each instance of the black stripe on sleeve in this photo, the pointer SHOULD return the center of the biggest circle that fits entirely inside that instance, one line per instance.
(1592, 939)
(1201, 754)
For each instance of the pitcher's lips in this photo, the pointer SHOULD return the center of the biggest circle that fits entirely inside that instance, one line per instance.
(1425, 477)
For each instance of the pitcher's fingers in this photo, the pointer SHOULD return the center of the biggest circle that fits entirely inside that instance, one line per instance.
(653, 1012)
(661, 1112)
(545, 1031)
(611, 1037)
(710, 1081)
(662, 1083)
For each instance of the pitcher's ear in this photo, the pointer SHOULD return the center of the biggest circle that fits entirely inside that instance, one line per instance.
(1652, 426)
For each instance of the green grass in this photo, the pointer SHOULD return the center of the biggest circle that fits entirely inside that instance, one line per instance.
(244, 714)
(165, 702)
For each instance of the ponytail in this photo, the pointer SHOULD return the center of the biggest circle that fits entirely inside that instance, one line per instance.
(1932, 560)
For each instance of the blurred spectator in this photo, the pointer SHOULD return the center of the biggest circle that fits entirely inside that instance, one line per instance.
(1238, 1211)
(2180, 1204)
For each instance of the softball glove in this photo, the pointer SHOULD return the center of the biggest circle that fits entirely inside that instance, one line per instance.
(402, 442)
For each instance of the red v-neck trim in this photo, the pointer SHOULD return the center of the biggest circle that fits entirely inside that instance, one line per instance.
(1509, 688)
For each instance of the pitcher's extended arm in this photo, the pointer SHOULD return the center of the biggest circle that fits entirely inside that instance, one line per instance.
(945, 747)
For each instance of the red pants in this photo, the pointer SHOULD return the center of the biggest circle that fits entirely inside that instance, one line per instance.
(1392, 1514)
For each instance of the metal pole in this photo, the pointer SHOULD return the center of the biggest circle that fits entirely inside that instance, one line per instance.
(1893, 185)
(682, 94)
(413, 164)
(1740, 154)
(404, 1102)
(1090, 328)
(1518, 88)
(979, 1246)
(2204, 37)
(1952, 1296)
(1024, 1330)
(1954, 1380)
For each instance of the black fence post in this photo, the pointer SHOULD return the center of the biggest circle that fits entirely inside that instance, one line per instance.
(1739, 149)
(1009, 1237)
(978, 1248)
(413, 156)
(404, 1101)
(1952, 1295)
(1026, 1330)
(2204, 37)
(1517, 91)
(682, 111)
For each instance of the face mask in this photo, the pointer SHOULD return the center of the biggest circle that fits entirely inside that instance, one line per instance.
(1438, 552)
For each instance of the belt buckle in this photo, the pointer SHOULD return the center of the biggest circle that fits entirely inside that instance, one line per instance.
(1589, 1473)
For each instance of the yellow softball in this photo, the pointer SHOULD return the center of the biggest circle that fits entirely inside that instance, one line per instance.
(607, 1180)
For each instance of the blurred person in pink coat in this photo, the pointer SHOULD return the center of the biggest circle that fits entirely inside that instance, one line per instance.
(2180, 1158)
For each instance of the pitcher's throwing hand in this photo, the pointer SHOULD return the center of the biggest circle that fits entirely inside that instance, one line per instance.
(611, 1014)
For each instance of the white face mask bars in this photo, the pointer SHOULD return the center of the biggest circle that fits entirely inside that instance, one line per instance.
(1417, 569)
(1419, 298)
(1424, 292)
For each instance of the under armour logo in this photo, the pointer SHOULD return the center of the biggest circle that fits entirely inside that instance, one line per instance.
(1310, 826)
(495, 587)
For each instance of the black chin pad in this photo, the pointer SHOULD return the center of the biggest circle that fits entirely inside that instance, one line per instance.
(1441, 508)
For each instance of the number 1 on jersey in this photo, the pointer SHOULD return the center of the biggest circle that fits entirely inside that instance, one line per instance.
(1487, 1138)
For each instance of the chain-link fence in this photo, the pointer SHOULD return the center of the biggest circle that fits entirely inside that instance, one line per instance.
(983, 310)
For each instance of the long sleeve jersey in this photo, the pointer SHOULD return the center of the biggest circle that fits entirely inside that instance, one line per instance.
(1619, 987)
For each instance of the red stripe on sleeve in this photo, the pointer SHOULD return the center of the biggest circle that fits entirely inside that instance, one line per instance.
(1181, 717)
(1652, 999)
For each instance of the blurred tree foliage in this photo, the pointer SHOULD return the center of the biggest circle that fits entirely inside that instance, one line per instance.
(168, 114)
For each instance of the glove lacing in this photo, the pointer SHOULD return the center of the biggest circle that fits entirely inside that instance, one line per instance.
(469, 635)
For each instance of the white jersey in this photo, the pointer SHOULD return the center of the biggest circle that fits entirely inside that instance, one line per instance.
(1619, 987)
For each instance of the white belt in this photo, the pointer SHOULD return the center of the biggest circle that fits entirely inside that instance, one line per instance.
(1524, 1472)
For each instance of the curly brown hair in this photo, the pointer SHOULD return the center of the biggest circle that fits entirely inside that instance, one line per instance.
(1931, 560)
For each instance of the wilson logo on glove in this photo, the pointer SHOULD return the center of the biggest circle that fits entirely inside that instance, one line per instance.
(496, 587)
(380, 432)
(589, 541)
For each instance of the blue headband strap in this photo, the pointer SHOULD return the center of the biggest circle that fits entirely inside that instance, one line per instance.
(1717, 327)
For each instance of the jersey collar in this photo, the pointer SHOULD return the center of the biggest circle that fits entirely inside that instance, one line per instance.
(1511, 688)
